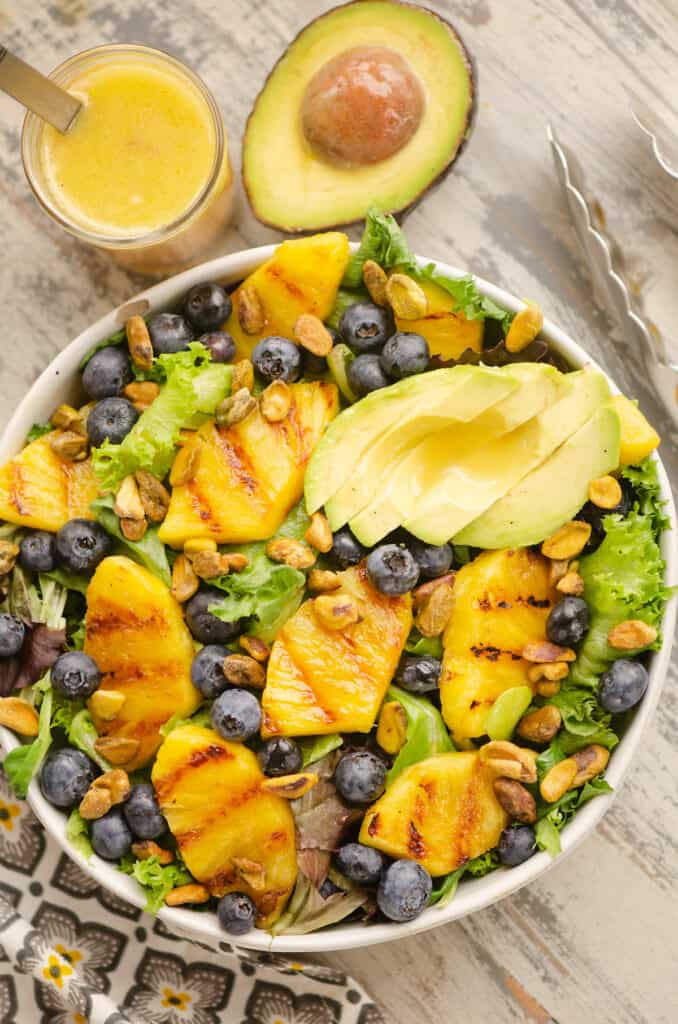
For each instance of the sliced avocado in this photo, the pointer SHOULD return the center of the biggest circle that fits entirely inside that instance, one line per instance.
(554, 492)
(458, 392)
(372, 476)
(479, 478)
(435, 485)
(371, 103)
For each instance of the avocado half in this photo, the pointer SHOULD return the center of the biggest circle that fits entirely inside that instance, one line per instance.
(293, 186)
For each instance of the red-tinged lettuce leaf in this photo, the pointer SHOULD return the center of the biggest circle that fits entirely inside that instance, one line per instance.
(321, 818)
(41, 648)
(308, 911)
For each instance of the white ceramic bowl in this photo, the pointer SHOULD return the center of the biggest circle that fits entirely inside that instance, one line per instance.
(58, 382)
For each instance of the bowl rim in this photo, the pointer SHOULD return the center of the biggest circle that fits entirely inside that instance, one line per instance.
(475, 894)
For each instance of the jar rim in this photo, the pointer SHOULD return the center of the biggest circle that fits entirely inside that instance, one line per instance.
(33, 125)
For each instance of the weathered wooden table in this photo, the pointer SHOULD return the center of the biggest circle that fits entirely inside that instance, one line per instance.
(595, 940)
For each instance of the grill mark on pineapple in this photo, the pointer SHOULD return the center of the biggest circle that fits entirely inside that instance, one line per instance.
(16, 495)
(166, 785)
(373, 826)
(278, 275)
(467, 819)
(238, 462)
(415, 842)
(492, 653)
(122, 620)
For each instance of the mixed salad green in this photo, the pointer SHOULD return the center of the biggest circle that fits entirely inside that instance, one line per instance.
(251, 628)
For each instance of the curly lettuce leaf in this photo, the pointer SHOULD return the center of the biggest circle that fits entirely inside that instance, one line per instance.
(22, 763)
(194, 388)
(149, 551)
(155, 879)
(623, 579)
(265, 592)
(585, 721)
(446, 887)
(78, 835)
(552, 818)
(645, 482)
(384, 242)
(201, 718)
(426, 731)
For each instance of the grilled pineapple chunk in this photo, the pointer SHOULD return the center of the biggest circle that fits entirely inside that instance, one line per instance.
(232, 835)
(501, 602)
(135, 631)
(302, 276)
(439, 812)
(322, 680)
(248, 476)
(41, 490)
(448, 333)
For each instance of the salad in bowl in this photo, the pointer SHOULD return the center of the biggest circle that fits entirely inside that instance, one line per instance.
(325, 592)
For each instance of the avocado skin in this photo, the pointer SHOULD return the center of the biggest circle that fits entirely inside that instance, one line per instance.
(402, 212)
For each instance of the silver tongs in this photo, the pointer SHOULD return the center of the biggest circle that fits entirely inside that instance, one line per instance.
(655, 373)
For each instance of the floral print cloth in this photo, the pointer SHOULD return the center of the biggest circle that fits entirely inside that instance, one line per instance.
(73, 953)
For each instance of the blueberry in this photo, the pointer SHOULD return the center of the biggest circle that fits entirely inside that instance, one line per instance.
(405, 354)
(12, 634)
(360, 864)
(328, 888)
(418, 673)
(346, 550)
(207, 306)
(516, 844)
(110, 835)
(207, 670)
(206, 627)
(36, 552)
(365, 375)
(280, 756)
(111, 419)
(169, 333)
(220, 344)
(65, 777)
(392, 569)
(360, 777)
(365, 326)
(623, 685)
(568, 622)
(433, 559)
(107, 372)
(75, 675)
(80, 545)
(404, 890)
(142, 812)
(236, 715)
(236, 913)
(277, 358)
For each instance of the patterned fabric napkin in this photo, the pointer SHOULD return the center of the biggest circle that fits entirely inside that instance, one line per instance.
(73, 953)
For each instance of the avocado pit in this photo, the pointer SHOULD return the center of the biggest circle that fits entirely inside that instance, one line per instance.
(362, 106)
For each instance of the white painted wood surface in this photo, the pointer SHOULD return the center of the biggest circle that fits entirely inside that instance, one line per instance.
(596, 940)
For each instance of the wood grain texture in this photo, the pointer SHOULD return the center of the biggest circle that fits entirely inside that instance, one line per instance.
(595, 939)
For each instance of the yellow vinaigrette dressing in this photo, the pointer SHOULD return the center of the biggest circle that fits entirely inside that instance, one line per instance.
(143, 172)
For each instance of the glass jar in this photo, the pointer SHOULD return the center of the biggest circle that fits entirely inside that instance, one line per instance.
(150, 138)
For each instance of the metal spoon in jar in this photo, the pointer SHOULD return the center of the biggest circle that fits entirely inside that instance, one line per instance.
(37, 92)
